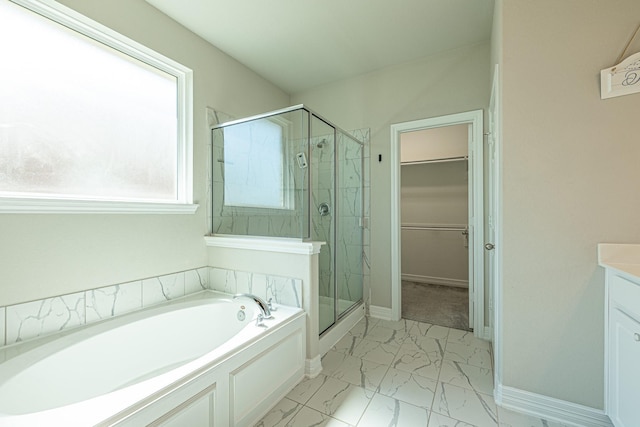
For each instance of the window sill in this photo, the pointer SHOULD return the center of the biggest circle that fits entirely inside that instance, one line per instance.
(45, 206)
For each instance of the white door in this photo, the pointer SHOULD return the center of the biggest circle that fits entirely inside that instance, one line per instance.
(470, 228)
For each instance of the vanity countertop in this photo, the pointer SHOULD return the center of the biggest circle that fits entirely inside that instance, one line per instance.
(622, 257)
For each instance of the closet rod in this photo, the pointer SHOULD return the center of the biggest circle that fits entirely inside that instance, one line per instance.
(412, 227)
(447, 159)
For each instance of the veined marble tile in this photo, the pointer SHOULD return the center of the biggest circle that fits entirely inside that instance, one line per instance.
(403, 325)
(366, 256)
(386, 335)
(439, 420)
(465, 405)
(196, 280)
(427, 330)
(347, 344)
(384, 411)
(467, 338)
(435, 347)
(222, 280)
(308, 417)
(468, 354)
(353, 370)
(284, 290)
(307, 388)
(32, 319)
(424, 360)
(163, 288)
(467, 376)
(341, 400)
(509, 418)
(427, 344)
(3, 329)
(280, 414)
(363, 327)
(244, 282)
(375, 351)
(103, 303)
(408, 387)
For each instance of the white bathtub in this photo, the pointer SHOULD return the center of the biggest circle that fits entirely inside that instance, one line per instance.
(188, 362)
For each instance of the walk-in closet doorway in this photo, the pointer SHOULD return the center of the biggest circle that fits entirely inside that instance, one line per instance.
(434, 198)
(437, 189)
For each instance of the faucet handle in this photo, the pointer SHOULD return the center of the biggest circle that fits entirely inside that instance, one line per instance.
(260, 321)
(270, 304)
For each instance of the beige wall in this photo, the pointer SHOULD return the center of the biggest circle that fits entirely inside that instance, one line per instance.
(570, 180)
(451, 82)
(436, 143)
(435, 194)
(44, 255)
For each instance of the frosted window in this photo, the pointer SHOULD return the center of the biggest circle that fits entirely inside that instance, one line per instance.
(80, 119)
(254, 168)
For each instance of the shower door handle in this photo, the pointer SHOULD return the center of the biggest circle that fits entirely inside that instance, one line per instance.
(324, 209)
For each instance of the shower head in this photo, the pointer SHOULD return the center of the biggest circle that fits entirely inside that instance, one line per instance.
(321, 143)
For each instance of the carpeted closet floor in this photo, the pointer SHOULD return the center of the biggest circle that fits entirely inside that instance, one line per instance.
(439, 305)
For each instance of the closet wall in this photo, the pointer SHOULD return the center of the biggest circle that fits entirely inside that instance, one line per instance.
(434, 203)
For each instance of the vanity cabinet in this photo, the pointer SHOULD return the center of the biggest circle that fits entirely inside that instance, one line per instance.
(622, 348)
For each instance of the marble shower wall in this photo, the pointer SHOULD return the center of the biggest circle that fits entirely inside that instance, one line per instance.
(322, 227)
(255, 221)
(214, 117)
(349, 245)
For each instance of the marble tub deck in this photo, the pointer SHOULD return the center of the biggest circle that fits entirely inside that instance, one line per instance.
(404, 374)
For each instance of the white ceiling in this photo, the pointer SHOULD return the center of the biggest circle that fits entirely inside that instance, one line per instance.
(299, 44)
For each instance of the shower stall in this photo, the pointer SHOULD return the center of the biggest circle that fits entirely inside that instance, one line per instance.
(292, 174)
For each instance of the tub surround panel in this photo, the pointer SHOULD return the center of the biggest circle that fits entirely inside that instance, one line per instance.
(161, 289)
(111, 301)
(33, 319)
(45, 316)
(283, 290)
(42, 317)
(196, 280)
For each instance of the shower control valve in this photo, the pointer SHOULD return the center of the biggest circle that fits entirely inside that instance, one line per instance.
(323, 209)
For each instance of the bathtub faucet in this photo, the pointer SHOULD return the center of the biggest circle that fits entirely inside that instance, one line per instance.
(264, 307)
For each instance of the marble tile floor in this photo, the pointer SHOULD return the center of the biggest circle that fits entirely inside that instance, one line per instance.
(402, 374)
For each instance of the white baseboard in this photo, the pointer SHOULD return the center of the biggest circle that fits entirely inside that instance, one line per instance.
(444, 281)
(383, 313)
(549, 408)
(313, 367)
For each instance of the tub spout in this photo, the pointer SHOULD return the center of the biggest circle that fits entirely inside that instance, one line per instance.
(264, 307)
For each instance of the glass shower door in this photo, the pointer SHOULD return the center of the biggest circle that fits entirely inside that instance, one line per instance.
(349, 212)
(322, 200)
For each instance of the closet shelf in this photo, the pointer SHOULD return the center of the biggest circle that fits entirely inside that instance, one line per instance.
(434, 227)
(443, 160)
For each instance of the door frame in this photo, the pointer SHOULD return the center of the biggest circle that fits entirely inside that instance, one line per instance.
(476, 207)
(495, 211)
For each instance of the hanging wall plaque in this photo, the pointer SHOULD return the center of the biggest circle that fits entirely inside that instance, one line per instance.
(621, 79)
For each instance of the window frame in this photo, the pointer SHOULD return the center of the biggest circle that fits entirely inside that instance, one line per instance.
(184, 79)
